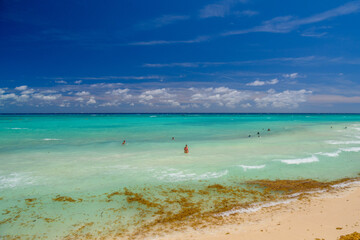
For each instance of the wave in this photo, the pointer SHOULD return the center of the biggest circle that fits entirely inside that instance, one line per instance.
(51, 139)
(16, 128)
(341, 142)
(351, 149)
(301, 160)
(173, 175)
(14, 180)
(345, 184)
(258, 206)
(252, 167)
(330, 154)
(255, 207)
(337, 153)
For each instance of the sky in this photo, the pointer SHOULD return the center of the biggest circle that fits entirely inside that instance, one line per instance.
(128, 56)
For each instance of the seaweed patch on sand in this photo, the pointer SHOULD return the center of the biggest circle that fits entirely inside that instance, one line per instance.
(159, 209)
(351, 236)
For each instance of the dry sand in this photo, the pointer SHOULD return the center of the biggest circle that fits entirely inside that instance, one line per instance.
(319, 216)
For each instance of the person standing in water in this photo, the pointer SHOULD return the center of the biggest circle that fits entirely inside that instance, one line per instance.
(186, 149)
(123, 143)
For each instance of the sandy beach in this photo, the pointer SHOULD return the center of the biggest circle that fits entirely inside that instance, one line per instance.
(317, 216)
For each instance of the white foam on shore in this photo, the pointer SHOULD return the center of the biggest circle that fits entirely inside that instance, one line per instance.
(254, 207)
(51, 139)
(172, 175)
(308, 192)
(345, 184)
(16, 128)
(245, 167)
(301, 160)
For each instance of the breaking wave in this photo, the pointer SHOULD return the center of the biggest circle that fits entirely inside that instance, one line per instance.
(301, 160)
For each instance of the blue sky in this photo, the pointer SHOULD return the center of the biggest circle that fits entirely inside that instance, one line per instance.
(179, 56)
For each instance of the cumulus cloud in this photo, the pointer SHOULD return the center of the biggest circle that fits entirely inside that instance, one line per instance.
(221, 96)
(61, 82)
(262, 83)
(114, 95)
(82, 93)
(91, 100)
(285, 99)
(46, 97)
(291, 75)
(21, 88)
(158, 96)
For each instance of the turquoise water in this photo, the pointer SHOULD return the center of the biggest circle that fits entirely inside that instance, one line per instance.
(43, 156)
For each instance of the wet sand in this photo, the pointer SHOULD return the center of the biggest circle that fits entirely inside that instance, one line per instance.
(317, 216)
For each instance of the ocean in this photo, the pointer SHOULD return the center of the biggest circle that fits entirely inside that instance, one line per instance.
(66, 176)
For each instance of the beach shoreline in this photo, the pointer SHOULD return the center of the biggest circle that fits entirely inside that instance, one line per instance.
(326, 215)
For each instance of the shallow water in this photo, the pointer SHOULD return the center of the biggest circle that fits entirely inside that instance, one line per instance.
(81, 156)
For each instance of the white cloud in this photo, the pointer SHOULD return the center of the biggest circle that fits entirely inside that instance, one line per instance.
(61, 82)
(285, 24)
(291, 75)
(219, 9)
(166, 42)
(221, 96)
(158, 96)
(162, 21)
(256, 83)
(91, 101)
(246, 105)
(8, 96)
(262, 83)
(285, 99)
(82, 93)
(28, 91)
(21, 88)
(46, 97)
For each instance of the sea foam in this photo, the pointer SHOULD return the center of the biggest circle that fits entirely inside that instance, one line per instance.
(14, 180)
(245, 167)
(301, 160)
(255, 207)
(335, 142)
(51, 139)
(172, 175)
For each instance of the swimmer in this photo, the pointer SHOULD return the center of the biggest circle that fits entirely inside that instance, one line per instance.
(123, 143)
(269, 130)
(258, 133)
(186, 149)
(173, 138)
(249, 135)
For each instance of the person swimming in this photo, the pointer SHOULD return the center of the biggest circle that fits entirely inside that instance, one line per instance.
(269, 130)
(173, 138)
(186, 149)
(123, 143)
